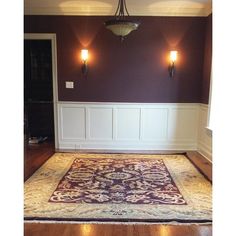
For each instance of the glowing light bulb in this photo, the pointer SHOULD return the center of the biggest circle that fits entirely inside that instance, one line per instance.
(173, 56)
(84, 54)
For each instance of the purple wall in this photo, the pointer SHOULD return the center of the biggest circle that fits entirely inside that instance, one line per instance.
(132, 71)
(207, 62)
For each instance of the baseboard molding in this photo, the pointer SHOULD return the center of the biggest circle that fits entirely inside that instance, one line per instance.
(124, 146)
(115, 151)
(205, 151)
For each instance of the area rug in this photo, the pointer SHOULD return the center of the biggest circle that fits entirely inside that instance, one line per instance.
(118, 187)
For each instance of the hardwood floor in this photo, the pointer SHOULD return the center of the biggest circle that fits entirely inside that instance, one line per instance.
(115, 230)
(202, 164)
(37, 155)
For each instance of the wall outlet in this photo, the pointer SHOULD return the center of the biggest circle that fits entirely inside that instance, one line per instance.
(70, 84)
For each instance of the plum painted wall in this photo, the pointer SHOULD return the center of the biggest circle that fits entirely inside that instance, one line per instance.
(207, 61)
(136, 69)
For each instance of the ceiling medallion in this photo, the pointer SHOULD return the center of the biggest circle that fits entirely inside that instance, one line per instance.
(120, 25)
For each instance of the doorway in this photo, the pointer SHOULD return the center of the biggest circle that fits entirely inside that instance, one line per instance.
(38, 91)
(40, 100)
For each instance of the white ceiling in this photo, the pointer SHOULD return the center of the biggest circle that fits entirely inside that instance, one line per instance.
(108, 7)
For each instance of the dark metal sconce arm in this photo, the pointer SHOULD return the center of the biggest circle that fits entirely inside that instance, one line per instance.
(171, 69)
(84, 68)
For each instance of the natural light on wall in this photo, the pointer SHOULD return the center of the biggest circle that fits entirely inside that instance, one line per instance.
(209, 122)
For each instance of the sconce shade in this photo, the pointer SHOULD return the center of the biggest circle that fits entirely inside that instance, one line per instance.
(84, 57)
(173, 56)
(120, 25)
(84, 54)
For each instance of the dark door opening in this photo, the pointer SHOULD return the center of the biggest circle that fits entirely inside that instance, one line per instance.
(38, 92)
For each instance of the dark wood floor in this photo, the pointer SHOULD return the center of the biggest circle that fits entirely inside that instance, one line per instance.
(202, 164)
(36, 155)
(115, 230)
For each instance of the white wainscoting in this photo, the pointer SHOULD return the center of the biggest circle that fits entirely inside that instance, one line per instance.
(204, 134)
(128, 126)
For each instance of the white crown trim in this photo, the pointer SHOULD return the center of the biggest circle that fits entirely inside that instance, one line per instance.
(104, 11)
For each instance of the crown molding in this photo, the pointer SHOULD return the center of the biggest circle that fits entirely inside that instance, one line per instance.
(170, 11)
(108, 10)
(208, 10)
(76, 11)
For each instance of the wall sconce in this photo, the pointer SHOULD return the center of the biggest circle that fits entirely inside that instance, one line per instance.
(173, 58)
(84, 57)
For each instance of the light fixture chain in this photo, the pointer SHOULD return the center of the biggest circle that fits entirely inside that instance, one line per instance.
(122, 14)
(118, 7)
(121, 9)
(126, 8)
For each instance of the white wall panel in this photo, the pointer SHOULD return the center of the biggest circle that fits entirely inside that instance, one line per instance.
(204, 134)
(154, 124)
(182, 124)
(128, 126)
(100, 123)
(72, 123)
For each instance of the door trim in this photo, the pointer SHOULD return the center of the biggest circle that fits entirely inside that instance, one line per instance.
(52, 37)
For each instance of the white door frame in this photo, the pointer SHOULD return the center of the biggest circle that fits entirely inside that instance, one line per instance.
(52, 37)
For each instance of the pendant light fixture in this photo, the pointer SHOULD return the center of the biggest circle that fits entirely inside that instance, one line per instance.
(121, 25)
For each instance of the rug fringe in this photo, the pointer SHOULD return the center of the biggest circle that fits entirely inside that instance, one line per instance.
(114, 222)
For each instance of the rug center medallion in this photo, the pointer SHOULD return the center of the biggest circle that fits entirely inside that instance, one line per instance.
(127, 181)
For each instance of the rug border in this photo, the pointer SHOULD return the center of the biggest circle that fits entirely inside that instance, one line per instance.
(108, 220)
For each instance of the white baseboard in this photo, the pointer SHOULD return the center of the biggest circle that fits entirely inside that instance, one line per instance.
(205, 151)
(125, 146)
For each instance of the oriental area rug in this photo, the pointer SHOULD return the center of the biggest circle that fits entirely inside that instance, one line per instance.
(118, 188)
